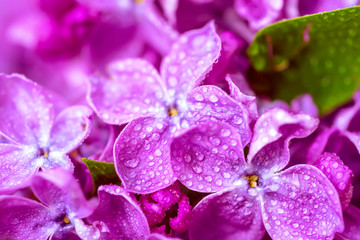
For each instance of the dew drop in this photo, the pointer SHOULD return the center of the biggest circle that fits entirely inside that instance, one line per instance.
(187, 158)
(213, 98)
(133, 163)
(225, 132)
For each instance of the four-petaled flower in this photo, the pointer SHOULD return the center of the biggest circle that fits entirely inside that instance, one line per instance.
(156, 107)
(296, 203)
(36, 138)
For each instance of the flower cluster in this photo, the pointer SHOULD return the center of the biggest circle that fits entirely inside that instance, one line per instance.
(134, 119)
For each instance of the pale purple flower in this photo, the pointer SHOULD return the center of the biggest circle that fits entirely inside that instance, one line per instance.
(295, 203)
(157, 106)
(58, 216)
(64, 212)
(37, 139)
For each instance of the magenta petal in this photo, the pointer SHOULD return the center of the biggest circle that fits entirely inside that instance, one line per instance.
(302, 203)
(132, 90)
(17, 165)
(121, 215)
(208, 157)
(352, 223)
(58, 189)
(339, 174)
(210, 102)
(142, 155)
(70, 128)
(272, 133)
(190, 58)
(156, 236)
(230, 214)
(26, 112)
(21, 218)
(249, 102)
(305, 104)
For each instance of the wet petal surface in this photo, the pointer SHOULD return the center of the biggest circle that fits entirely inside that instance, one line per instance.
(21, 218)
(142, 155)
(208, 157)
(59, 190)
(229, 215)
(133, 89)
(301, 203)
(190, 58)
(26, 112)
(124, 214)
(274, 129)
(339, 174)
(17, 165)
(70, 128)
(211, 103)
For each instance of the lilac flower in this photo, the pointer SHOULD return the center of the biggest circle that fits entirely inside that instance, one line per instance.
(158, 106)
(120, 216)
(66, 214)
(63, 206)
(290, 203)
(36, 138)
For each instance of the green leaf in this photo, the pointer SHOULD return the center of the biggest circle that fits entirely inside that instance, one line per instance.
(317, 54)
(102, 173)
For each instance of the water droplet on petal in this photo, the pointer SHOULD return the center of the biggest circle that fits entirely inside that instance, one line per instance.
(133, 163)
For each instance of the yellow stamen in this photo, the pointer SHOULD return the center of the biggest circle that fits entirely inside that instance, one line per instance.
(172, 111)
(252, 180)
(46, 154)
(139, 1)
(66, 220)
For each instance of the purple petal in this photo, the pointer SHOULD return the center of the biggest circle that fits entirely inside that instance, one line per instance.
(190, 58)
(208, 157)
(154, 28)
(339, 174)
(156, 236)
(305, 104)
(17, 165)
(133, 89)
(210, 102)
(249, 102)
(21, 218)
(272, 132)
(62, 234)
(301, 203)
(259, 13)
(58, 189)
(70, 128)
(348, 118)
(26, 112)
(230, 214)
(352, 223)
(142, 155)
(121, 215)
(57, 160)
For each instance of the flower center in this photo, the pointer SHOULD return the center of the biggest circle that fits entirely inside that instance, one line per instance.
(252, 180)
(43, 153)
(172, 111)
(66, 220)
